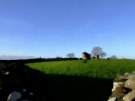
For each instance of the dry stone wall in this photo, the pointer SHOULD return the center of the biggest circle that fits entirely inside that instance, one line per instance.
(123, 88)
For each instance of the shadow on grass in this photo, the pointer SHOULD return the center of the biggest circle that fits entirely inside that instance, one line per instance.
(73, 88)
(55, 87)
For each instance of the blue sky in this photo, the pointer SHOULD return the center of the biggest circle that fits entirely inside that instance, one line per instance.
(50, 28)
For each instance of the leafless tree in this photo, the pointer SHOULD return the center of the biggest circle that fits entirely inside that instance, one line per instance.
(124, 58)
(113, 57)
(71, 55)
(99, 51)
(103, 54)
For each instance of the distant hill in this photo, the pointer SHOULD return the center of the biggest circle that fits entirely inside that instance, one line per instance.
(14, 57)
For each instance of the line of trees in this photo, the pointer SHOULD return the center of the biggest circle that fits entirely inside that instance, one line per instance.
(95, 50)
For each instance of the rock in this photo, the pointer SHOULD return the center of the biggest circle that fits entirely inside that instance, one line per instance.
(130, 83)
(6, 73)
(130, 96)
(123, 88)
(14, 96)
(120, 77)
(24, 90)
(117, 95)
(118, 87)
(133, 72)
(126, 75)
(131, 76)
(31, 93)
(112, 99)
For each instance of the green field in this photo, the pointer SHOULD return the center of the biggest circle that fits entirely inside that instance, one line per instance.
(92, 68)
(81, 80)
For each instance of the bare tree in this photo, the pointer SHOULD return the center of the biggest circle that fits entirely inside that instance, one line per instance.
(124, 58)
(71, 55)
(113, 57)
(103, 54)
(99, 51)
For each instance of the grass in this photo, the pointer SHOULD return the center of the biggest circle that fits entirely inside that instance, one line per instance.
(82, 80)
(107, 69)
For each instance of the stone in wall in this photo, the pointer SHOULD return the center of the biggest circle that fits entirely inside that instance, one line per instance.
(130, 83)
(118, 87)
(130, 96)
(112, 99)
(14, 96)
(117, 95)
(123, 88)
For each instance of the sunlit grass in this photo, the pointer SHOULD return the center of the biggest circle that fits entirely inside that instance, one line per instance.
(90, 68)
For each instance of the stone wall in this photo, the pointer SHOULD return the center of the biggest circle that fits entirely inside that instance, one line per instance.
(123, 88)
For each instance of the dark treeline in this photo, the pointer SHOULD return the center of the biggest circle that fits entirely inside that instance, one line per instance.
(37, 60)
